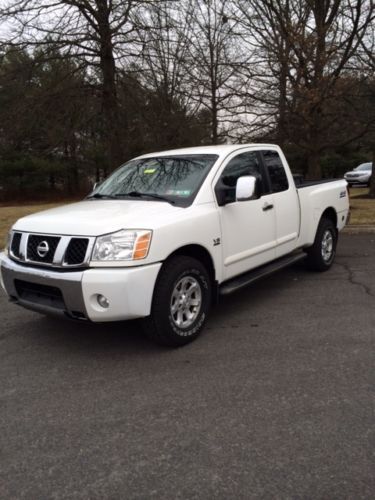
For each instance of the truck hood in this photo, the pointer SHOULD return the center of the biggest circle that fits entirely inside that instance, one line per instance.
(96, 217)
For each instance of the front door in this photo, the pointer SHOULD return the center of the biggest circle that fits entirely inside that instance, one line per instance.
(248, 227)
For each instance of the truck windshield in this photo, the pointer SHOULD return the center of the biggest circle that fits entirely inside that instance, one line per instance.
(175, 179)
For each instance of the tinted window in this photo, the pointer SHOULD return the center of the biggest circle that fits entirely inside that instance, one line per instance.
(242, 164)
(276, 171)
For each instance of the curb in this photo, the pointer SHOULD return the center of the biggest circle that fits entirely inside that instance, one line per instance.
(359, 229)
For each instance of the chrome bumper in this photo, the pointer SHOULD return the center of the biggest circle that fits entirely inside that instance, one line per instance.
(68, 284)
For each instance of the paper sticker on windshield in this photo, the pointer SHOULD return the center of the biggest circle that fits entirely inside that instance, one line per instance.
(179, 192)
(149, 171)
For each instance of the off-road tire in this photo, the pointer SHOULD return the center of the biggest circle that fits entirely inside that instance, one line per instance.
(315, 260)
(160, 326)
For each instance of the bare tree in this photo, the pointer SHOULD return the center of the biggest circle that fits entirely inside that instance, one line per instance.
(92, 31)
(366, 58)
(212, 63)
(309, 44)
(164, 31)
(270, 52)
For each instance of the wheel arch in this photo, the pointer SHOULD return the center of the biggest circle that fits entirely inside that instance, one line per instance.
(330, 213)
(200, 253)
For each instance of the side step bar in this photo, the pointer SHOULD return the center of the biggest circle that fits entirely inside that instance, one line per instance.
(245, 279)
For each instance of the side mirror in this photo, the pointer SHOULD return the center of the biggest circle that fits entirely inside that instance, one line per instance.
(245, 188)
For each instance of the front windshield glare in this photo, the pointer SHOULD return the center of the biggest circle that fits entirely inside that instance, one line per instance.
(175, 178)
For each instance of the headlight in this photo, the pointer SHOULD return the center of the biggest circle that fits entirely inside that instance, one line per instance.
(122, 245)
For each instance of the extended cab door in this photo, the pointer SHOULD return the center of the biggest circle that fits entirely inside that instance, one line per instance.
(248, 227)
(285, 200)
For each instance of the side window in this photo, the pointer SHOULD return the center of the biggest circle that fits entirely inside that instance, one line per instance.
(276, 171)
(240, 165)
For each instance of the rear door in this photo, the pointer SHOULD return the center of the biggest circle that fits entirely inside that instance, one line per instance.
(248, 227)
(285, 200)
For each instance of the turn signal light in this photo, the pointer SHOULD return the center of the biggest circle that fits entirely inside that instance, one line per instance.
(141, 246)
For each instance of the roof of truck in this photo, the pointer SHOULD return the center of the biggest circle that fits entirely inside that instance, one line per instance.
(221, 150)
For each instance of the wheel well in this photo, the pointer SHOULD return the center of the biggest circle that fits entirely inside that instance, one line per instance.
(330, 213)
(200, 253)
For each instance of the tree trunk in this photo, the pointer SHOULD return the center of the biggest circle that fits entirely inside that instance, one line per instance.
(214, 121)
(372, 184)
(74, 164)
(109, 90)
(314, 170)
(68, 185)
(282, 132)
(111, 113)
(52, 182)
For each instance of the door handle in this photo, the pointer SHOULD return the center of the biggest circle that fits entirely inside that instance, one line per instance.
(267, 206)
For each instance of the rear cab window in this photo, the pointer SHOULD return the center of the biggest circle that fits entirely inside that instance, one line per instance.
(275, 170)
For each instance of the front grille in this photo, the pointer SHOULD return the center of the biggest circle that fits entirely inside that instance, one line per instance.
(36, 243)
(15, 245)
(76, 251)
(57, 251)
(40, 294)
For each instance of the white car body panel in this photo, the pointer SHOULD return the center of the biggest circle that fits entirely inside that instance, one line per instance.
(128, 292)
(314, 200)
(97, 217)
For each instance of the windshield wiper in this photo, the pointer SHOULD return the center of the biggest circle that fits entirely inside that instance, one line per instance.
(138, 194)
(100, 196)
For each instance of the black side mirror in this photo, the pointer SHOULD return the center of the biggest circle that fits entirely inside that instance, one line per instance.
(224, 194)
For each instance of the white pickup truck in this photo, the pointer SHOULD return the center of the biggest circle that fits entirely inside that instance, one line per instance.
(168, 233)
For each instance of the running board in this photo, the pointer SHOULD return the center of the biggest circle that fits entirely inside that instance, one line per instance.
(246, 279)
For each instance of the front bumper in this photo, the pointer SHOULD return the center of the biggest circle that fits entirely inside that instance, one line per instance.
(357, 180)
(74, 294)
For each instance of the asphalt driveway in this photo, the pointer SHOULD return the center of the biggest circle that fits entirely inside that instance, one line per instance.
(275, 400)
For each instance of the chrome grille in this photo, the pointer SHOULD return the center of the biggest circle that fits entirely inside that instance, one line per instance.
(15, 245)
(51, 250)
(34, 245)
(76, 251)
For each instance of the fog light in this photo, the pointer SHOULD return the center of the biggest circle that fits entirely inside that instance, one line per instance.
(103, 301)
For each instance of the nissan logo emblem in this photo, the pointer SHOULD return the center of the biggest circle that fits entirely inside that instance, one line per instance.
(42, 249)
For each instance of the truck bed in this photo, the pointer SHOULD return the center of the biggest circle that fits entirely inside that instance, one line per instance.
(302, 183)
(316, 196)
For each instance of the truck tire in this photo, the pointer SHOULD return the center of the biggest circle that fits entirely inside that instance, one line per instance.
(321, 254)
(182, 299)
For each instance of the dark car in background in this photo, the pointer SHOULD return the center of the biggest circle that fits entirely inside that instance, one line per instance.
(360, 175)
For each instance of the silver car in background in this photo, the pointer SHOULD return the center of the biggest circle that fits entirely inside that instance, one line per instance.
(360, 175)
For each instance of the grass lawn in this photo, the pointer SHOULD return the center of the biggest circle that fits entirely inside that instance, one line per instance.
(9, 215)
(362, 212)
(362, 208)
